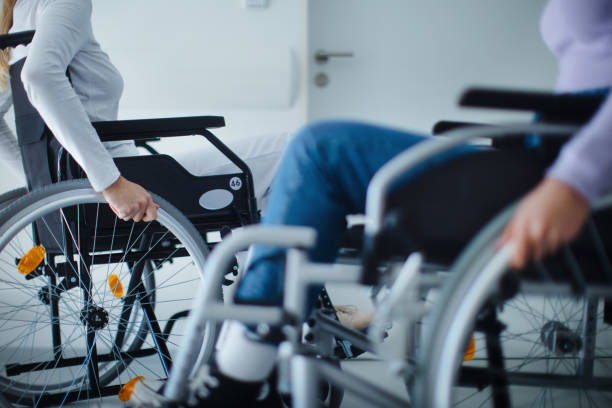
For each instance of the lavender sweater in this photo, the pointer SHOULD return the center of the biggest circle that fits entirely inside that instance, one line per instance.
(579, 33)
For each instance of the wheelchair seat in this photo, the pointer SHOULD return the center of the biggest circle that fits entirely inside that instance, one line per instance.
(437, 212)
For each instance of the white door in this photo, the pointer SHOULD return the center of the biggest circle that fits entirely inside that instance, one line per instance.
(412, 58)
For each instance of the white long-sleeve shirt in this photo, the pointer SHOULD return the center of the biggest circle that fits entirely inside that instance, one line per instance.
(64, 40)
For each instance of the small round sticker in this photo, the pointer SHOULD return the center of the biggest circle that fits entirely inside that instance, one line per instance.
(235, 183)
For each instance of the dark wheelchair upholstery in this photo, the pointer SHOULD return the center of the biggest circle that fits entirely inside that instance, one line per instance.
(439, 210)
(580, 268)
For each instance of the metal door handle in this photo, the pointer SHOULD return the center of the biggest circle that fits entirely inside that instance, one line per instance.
(321, 56)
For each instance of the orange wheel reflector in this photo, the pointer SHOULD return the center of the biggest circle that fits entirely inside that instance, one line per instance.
(125, 393)
(115, 286)
(31, 260)
(471, 350)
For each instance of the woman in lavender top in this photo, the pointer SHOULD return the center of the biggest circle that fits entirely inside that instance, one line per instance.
(580, 35)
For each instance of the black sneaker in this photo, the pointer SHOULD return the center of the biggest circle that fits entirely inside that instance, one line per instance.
(210, 388)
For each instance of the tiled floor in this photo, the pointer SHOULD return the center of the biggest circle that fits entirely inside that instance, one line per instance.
(379, 373)
(372, 370)
(365, 367)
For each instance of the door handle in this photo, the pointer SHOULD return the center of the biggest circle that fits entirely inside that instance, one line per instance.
(321, 56)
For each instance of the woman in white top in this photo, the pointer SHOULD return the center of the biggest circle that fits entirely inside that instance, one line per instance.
(64, 41)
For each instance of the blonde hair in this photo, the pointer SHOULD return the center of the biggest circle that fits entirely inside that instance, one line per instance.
(6, 22)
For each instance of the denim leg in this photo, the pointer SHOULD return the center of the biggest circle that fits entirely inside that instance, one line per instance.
(322, 177)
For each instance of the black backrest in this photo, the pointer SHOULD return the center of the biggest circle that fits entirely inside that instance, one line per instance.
(39, 154)
(438, 211)
(37, 144)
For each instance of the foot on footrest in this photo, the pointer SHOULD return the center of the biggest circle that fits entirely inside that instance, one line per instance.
(354, 318)
(360, 320)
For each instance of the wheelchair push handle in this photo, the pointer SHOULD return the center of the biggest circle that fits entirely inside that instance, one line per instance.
(15, 39)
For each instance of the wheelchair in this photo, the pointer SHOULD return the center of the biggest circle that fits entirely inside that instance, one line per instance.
(539, 337)
(451, 247)
(90, 301)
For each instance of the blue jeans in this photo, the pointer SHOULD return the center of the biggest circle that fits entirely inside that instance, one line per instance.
(322, 177)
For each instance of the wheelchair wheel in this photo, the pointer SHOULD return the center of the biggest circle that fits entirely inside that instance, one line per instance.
(7, 198)
(538, 341)
(89, 301)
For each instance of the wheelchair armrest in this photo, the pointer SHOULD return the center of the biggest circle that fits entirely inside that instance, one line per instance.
(563, 108)
(15, 39)
(446, 125)
(118, 130)
(140, 129)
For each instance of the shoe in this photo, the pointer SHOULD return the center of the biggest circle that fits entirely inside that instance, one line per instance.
(210, 388)
(351, 317)
(359, 320)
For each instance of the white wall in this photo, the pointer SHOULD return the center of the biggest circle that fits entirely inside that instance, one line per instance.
(493, 43)
(163, 49)
(196, 57)
(412, 58)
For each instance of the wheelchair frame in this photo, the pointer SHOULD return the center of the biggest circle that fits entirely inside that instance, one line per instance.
(73, 271)
(300, 369)
(480, 278)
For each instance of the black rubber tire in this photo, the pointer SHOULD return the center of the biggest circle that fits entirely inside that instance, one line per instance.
(15, 217)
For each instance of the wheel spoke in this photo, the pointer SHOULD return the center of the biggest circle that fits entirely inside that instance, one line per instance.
(86, 243)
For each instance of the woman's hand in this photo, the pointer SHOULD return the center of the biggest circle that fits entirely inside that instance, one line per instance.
(129, 201)
(552, 214)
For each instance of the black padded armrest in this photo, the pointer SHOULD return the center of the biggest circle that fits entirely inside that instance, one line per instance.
(153, 128)
(563, 107)
(15, 39)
